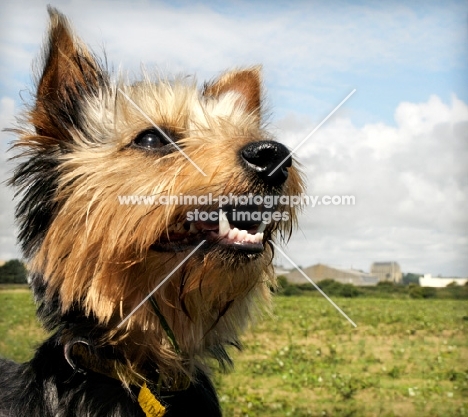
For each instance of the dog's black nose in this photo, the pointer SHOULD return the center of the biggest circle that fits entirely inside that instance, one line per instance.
(268, 157)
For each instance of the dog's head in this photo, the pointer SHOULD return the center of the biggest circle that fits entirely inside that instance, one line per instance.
(122, 181)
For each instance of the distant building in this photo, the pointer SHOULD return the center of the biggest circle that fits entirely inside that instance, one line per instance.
(280, 270)
(439, 282)
(387, 271)
(320, 272)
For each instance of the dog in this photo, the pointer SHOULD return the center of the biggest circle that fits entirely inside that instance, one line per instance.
(142, 302)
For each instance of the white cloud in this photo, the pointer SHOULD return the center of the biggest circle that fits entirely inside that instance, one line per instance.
(7, 111)
(410, 187)
(8, 248)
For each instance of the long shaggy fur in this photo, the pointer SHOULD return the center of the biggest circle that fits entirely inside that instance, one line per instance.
(92, 259)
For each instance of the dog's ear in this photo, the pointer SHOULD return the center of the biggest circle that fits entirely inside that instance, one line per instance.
(246, 82)
(70, 73)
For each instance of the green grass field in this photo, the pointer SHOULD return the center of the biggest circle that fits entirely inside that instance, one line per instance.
(407, 357)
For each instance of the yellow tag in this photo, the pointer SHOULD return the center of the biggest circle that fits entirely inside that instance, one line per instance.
(149, 403)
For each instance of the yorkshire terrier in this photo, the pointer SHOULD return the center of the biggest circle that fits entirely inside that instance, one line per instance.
(141, 300)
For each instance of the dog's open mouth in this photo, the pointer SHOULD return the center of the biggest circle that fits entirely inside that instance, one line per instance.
(230, 227)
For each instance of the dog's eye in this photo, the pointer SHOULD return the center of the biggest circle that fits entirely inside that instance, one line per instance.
(151, 140)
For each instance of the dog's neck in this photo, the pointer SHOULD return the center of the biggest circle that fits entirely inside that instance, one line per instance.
(83, 357)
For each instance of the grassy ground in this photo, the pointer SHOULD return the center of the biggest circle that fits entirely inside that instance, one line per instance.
(20, 331)
(405, 358)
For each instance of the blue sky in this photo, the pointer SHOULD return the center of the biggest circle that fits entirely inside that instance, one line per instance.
(398, 144)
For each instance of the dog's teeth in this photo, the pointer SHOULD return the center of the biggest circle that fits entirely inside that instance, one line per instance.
(224, 227)
(193, 228)
(261, 228)
(233, 233)
(242, 235)
(258, 237)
